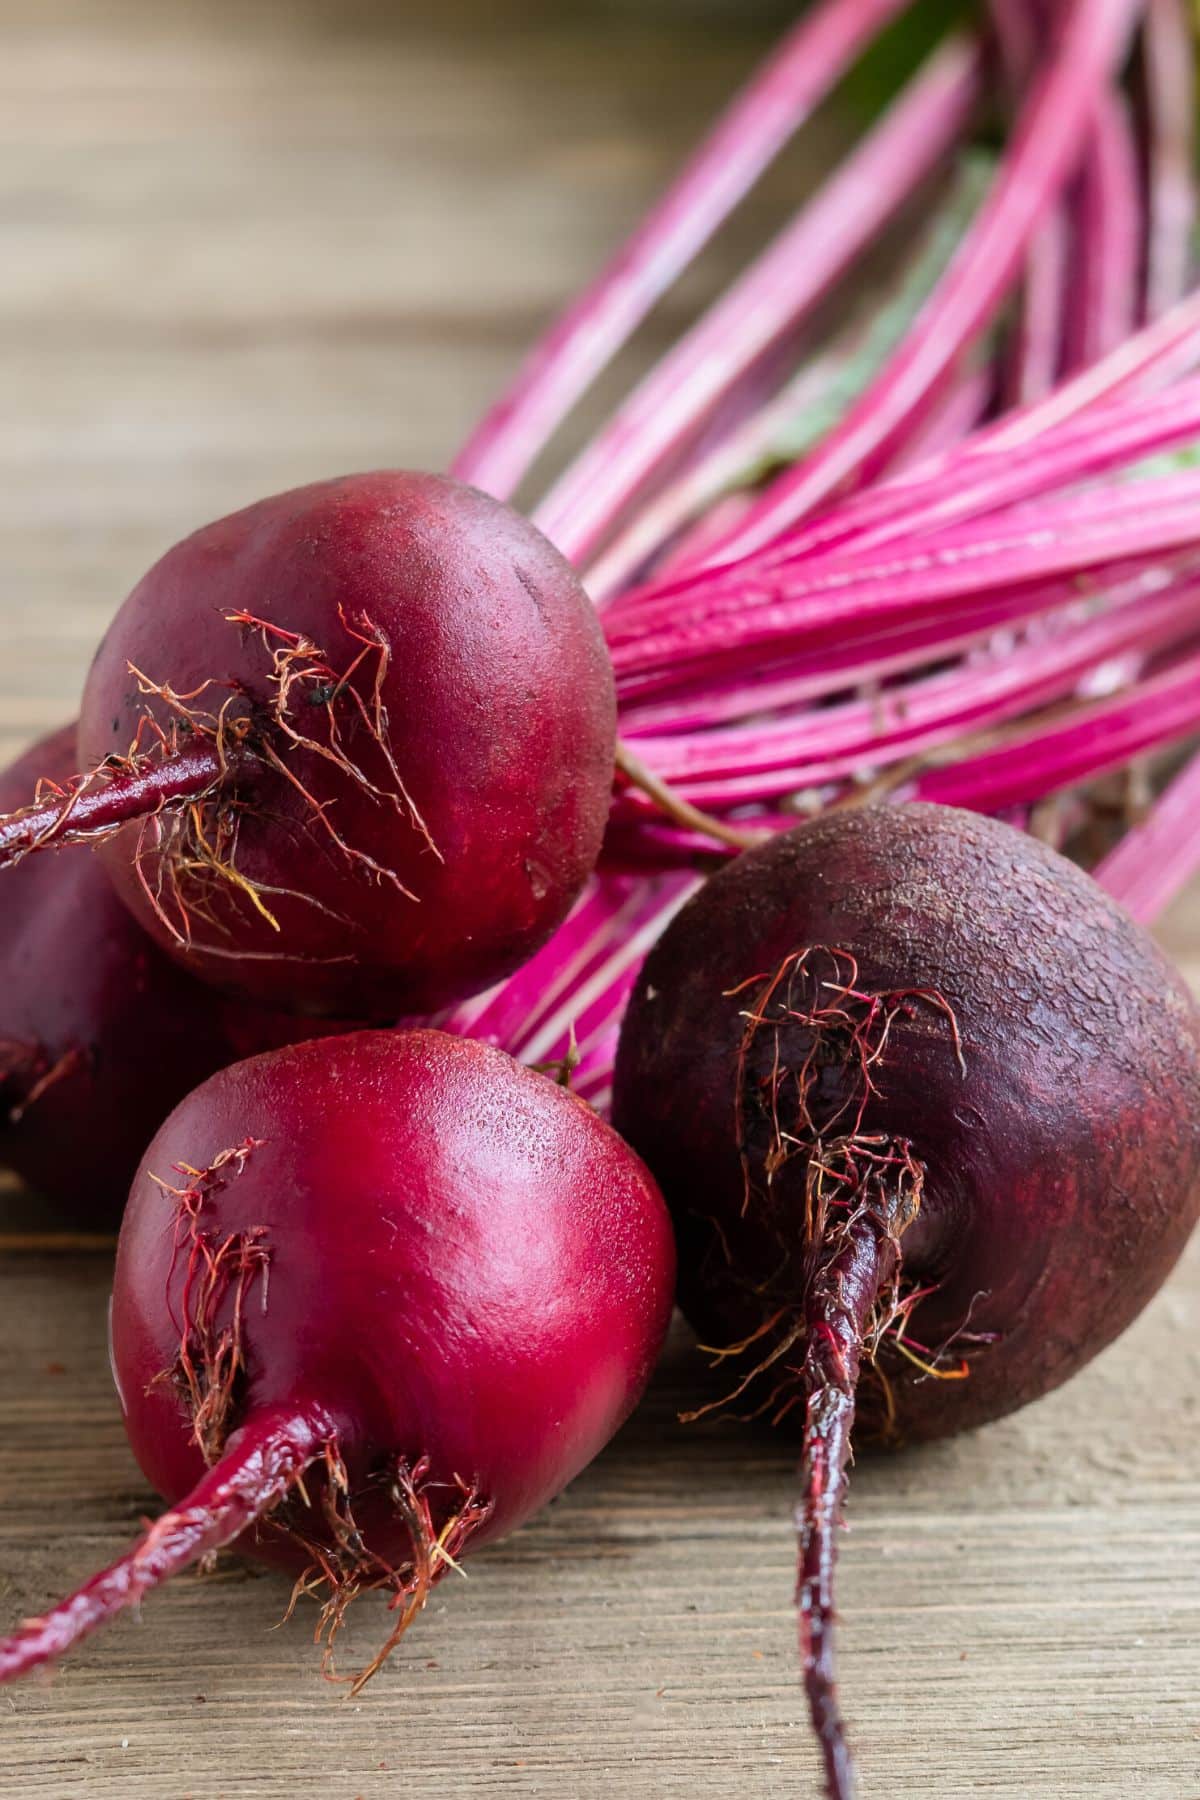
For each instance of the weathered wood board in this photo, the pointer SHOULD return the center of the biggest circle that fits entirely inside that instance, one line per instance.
(246, 245)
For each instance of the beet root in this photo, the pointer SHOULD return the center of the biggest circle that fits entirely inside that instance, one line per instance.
(377, 1299)
(349, 750)
(920, 1097)
(100, 1033)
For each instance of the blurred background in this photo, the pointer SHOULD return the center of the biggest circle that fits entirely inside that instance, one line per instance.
(247, 243)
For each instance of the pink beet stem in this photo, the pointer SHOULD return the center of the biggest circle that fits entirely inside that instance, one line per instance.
(1036, 351)
(849, 209)
(1080, 297)
(601, 945)
(1146, 363)
(589, 1004)
(674, 517)
(1044, 150)
(688, 506)
(1031, 759)
(1072, 418)
(262, 1462)
(1135, 525)
(695, 493)
(1156, 859)
(777, 100)
(1168, 60)
(1106, 259)
(1113, 435)
(839, 1305)
(1032, 360)
(763, 759)
(857, 647)
(603, 918)
(950, 421)
(110, 798)
(601, 913)
(574, 991)
(725, 697)
(974, 482)
(1043, 757)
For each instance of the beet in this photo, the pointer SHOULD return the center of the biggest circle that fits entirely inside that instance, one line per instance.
(377, 1300)
(100, 1033)
(349, 750)
(924, 1103)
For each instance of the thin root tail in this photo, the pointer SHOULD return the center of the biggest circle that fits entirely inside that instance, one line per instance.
(264, 1460)
(842, 1301)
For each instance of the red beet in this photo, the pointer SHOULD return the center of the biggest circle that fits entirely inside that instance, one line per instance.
(924, 1102)
(349, 750)
(377, 1299)
(100, 1033)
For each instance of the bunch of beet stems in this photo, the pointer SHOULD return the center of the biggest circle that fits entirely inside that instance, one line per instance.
(979, 585)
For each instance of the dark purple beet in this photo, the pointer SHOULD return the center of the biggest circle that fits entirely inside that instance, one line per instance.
(100, 1033)
(965, 1125)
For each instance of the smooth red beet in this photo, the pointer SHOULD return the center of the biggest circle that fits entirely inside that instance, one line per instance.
(349, 750)
(100, 1033)
(925, 1105)
(377, 1300)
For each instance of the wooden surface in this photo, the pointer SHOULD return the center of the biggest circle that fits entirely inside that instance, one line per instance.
(246, 245)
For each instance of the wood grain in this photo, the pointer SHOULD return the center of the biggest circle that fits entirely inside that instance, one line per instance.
(246, 245)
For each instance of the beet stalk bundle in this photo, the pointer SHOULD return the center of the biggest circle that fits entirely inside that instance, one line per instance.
(1005, 617)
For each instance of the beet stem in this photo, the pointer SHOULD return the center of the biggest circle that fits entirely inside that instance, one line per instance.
(776, 293)
(1169, 71)
(1156, 859)
(841, 1301)
(1045, 147)
(102, 802)
(1032, 357)
(677, 808)
(747, 137)
(259, 1467)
